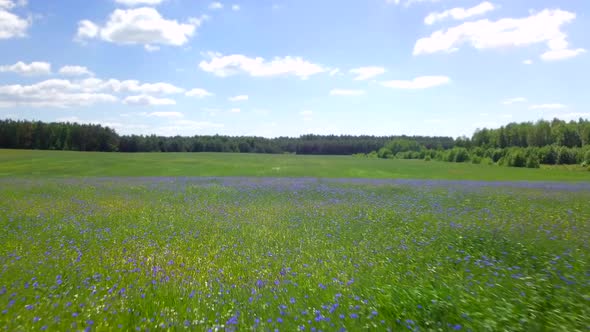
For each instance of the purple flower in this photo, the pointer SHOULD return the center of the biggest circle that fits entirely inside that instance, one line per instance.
(354, 315)
(456, 327)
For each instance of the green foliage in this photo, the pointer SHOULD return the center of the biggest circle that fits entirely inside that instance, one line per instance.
(385, 153)
(403, 145)
(566, 156)
(532, 161)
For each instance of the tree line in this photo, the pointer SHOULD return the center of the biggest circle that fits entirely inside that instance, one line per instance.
(524, 144)
(94, 137)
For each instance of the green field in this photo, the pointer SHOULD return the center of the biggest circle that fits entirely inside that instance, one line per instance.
(233, 254)
(25, 163)
(246, 242)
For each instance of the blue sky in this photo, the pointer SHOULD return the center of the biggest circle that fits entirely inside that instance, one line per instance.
(285, 68)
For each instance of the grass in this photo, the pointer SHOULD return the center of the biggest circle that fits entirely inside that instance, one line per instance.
(27, 163)
(290, 254)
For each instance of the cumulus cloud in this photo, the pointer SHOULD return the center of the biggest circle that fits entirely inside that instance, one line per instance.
(554, 55)
(166, 114)
(547, 106)
(28, 69)
(422, 82)
(235, 7)
(346, 92)
(75, 71)
(198, 93)
(365, 73)
(147, 100)
(133, 3)
(224, 66)
(12, 25)
(84, 92)
(541, 27)
(129, 86)
(527, 62)
(139, 26)
(215, 5)
(239, 98)
(514, 100)
(460, 13)
(235, 110)
(51, 93)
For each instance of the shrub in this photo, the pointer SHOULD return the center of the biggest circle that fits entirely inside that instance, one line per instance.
(565, 156)
(427, 158)
(532, 161)
(476, 159)
(461, 155)
(372, 154)
(385, 153)
(487, 161)
(548, 155)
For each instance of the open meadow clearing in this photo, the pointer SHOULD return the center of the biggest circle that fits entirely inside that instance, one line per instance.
(234, 253)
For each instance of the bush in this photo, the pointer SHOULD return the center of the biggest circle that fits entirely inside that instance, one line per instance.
(461, 155)
(514, 158)
(565, 156)
(533, 161)
(427, 158)
(372, 154)
(385, 153)
(548, 155)
(587, 157)
(476, 159)
(487, 161)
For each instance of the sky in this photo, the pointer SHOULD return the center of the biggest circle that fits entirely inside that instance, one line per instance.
(291, 67)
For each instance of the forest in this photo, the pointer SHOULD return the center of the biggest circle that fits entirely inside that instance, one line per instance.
(525, 144)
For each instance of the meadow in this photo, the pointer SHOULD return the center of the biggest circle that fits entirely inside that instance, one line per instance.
(306, 252)
(37, 163)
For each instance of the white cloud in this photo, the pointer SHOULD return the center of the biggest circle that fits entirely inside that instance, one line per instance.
(215, 5)
(422, 82)
(224, 66)
(334, 72)
(547, 106)
(12, 26)
(75, 71)
(166, 114)
(235, 7)
(198, 93)
(151, 48)
(345, 92)
(239, 98)
(514, 100)
(28, 69)
(129, 86)
(459, 13)
(87, 29)
(9, 4)
(51, 93)
(139, 26)
(147, 100)
(235, 110)
(528, 62)
(132, 3)
(541, 27)
(365, 73)
(84, 92)
(554, 55)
